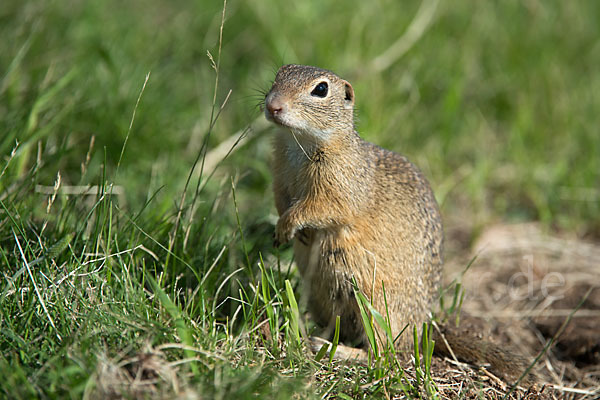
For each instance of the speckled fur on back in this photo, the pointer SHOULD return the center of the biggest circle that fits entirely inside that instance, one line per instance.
(355, 210)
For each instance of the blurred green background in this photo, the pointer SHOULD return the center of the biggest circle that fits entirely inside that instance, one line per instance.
(497, 102)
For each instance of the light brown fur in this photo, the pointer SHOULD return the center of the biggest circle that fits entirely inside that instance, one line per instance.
(364, 212)
(353, 209)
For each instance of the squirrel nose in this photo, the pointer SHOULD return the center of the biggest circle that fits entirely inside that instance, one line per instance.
(274, 105)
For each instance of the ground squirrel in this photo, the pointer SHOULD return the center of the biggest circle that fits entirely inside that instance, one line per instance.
(355, 211)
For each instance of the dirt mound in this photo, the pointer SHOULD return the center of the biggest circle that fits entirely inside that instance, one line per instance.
(535, 290)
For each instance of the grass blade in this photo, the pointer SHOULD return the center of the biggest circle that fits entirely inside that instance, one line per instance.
(293, 311)
(183, 331)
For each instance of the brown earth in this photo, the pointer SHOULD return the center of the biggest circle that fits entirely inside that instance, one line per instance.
(527, 287)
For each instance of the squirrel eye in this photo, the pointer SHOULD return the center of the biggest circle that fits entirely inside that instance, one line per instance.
(320, 90)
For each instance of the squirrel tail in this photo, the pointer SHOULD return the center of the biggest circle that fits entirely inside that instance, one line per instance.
(467, 347)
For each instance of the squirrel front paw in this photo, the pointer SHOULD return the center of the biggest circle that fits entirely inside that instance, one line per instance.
(284, 232)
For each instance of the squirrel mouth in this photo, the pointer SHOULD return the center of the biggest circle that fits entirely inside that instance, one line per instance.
(276, 109)
(276, 118)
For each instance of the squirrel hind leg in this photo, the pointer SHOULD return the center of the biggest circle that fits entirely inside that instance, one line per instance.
(342, 352)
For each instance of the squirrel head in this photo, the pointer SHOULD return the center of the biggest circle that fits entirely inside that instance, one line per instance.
(310, 101)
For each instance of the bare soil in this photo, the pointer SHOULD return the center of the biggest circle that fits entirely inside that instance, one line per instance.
(531, 289)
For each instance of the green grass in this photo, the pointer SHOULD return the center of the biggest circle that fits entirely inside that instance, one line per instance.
(496, 102)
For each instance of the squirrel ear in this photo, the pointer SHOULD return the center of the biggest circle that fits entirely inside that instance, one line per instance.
(349, 94)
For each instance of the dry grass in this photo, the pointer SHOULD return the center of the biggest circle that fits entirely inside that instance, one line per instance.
(524, 284)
